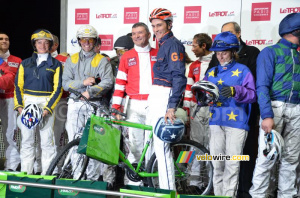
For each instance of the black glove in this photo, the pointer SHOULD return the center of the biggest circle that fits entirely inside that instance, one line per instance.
(228, 91)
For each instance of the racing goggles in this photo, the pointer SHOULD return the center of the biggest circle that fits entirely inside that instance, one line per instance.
(87, 40)
(220, 43)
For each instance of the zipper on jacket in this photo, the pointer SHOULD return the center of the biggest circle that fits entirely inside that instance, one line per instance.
(291, 93)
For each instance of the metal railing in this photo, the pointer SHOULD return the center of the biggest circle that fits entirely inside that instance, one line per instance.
(86, 190)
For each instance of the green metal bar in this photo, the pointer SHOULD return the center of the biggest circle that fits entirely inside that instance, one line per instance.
(125, 160)
(144, 152)
(145, 174)
(129, 124)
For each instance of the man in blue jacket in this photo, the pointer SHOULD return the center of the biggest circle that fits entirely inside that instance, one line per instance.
(167, 89)
(278, 89)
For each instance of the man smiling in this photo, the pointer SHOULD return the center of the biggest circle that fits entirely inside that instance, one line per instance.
(134, 77)
(167, 89)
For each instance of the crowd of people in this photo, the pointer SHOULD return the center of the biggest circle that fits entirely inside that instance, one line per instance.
(249, 101)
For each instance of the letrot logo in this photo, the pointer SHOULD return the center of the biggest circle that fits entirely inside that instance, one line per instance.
(289, 10)
(106, 42)
(192, 14)
(105, 16)
(221, 14)
(131, 15)
(82, 16)
(261, 11)
(259, 42)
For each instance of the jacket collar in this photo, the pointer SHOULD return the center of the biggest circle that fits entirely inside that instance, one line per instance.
(288, 43)
(165, 37)
(227, 67)
(49, 59)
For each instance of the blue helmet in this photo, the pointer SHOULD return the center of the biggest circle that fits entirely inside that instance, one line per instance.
(289, 24)
(225, 41)
(168, 132)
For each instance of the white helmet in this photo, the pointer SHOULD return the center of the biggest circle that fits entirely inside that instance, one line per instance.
(31, 116)
(207, 93)
(274, 145)
(87, 31)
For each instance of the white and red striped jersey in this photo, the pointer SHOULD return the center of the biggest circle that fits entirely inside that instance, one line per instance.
(196, 72)
(135, 75)
(13, 62)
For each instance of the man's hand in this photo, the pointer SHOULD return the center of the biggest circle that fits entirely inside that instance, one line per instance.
(45, 112)
(267, 124)
(171, 115)
(86, 94)
(89, 81)
(119, 117)
(20, 109)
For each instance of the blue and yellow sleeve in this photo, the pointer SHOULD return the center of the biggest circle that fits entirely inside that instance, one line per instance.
(19, 87)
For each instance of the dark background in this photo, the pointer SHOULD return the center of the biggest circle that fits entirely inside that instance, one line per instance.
(19, 19)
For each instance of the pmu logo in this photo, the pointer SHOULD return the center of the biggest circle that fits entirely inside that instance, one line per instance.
(259, 42)
(82, 16)
(221, 14)
(74, 41)
(105, 16)
(290, 10)
(106, 42)
(131, 15)
(261, 11)
(192, 14)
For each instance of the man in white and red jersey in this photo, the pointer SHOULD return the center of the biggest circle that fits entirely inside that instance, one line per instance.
(135, 78)
(7, 113)
(199, 122)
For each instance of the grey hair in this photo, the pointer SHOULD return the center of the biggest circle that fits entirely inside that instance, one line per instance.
(236, 26)
(141, 24)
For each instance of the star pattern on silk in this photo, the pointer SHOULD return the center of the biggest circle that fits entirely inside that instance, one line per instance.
(232, 116)
(173, 136)
(220, 82)
(236, 73)
(212, 73)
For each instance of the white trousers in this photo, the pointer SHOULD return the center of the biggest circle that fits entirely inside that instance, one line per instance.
(158, 103)
(136, 112)
(287, 123)
(46, 137)
(199, 133)
(226, 141)
(9, 129)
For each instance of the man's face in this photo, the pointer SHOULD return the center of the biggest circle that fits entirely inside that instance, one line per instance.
(4, 42)
(54, 47)
(140, 36)
(87, 44)
(159, 27)
(230, 28)
(198, 51)
(42, 46)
